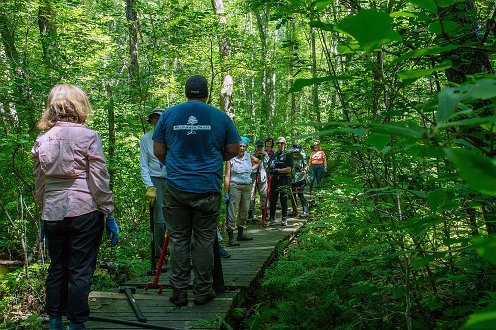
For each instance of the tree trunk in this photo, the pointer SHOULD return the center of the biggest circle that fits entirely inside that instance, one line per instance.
(48, 33)
(134, 69)
(111, 131)
(226, 91)
(468, 61)
(315, 88)
(266, 91)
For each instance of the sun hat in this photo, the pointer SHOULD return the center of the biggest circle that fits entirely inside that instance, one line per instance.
(259, 143)
(156, 111)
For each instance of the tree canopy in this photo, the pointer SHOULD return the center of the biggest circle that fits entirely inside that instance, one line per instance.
(400, 93)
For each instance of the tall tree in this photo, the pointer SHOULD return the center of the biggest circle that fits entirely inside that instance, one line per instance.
(227, 88)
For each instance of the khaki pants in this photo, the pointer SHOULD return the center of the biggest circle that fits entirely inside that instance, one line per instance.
(239, 203)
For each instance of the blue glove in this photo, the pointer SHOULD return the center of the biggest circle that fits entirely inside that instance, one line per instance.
(42, 230)
(226, 197)
(112, 229)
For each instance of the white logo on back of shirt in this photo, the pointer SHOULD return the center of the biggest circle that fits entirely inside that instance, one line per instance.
(191, 126)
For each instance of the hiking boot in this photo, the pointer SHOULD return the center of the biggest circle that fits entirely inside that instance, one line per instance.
(241, 236)
(272, 221)
(305, 211)
(284, 222)
(233, 242)
(223, 253)
(76, 326)
(179, 297)
(56, 322)
(206, 299)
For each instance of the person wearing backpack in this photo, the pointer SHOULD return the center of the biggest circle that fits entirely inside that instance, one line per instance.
(299, 179)
(280, 165)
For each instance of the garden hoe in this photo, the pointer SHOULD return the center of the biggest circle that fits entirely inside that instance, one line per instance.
(129, 291)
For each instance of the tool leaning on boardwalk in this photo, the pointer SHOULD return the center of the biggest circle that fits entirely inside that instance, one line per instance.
(193, 139)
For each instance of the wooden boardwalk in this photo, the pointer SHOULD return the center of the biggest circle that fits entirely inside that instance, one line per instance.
(241, 271)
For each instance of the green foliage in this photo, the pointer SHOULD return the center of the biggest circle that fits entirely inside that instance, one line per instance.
(370, 28)
(402, 98)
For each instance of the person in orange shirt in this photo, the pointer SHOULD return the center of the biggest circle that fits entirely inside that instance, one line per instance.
(317, 165)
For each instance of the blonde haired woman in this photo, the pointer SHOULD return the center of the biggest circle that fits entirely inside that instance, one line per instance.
(72, 188)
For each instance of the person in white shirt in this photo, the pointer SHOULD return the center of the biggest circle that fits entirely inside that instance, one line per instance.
(153, 177)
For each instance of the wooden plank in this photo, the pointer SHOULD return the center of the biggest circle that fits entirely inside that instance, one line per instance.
(246, 265)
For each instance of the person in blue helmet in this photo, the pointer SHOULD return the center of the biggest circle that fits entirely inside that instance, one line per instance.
(237, 189)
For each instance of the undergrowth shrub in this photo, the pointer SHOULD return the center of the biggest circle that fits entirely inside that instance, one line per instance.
(344, 273)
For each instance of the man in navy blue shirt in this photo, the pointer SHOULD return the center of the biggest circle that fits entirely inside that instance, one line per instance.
(193, 139)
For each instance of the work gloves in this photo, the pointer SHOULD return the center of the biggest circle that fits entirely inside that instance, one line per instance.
(151, 194)
(112, 229)
(226, 197)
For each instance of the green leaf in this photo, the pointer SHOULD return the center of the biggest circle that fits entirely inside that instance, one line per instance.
(379, 141)
(450, 97)
(418, 227)
(435, 50)
(371, 28)
(484, 319)
(300, 83)
(349, 48)
(447, 25)
(322, 25)
(435, 198)
(446, 3)
(322, 4)
(398, 129)
(429, 5)
(486, 247)
(484, 122)
(477, 170)
(421, 262)
(483, 89)
(409, 76)
(440, 200)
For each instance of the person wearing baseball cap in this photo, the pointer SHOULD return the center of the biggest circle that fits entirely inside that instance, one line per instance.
(280, 165)
(153, 177)
(194, 139)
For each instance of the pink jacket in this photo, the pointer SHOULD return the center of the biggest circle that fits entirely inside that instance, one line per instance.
(71, 174)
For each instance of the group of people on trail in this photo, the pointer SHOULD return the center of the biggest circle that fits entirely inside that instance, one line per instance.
(181, 165)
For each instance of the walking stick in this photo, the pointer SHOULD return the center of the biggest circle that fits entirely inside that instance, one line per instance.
(264, 216)
(252, 194)
(217, 273)
(152, 240)
(294, 204)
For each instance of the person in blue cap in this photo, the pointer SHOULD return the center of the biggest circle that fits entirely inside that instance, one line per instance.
(237, 189)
